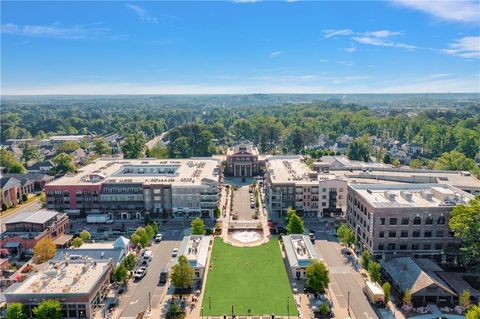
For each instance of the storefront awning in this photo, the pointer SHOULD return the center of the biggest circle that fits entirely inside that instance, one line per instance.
(12, 244)
(62, 240)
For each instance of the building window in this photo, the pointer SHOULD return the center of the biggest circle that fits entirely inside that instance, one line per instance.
(382, 221)
(438, 246)
(380, 247)
(391, 246)
(403, 247)
(440, 233)
(417, 221)
(404, 233)
(427, 246)
(428, 233)
(392, 234)
(415, 246)
(405, 221)
(429, 220)
(416, 233)
(441, 220)
(381, 234)
(393, 221)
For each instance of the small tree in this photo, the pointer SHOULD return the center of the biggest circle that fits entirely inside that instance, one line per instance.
(365, 259)
(85, 235)
(374, 271)
(136, 240)
(150, 231)
(24, 197)
(129, 261)
(120, 274)
(4, 207)
(182, 273)
(143, 238)
(77, 242)
(290, 213)
(464, 299)
(217, 212)
(346, 235)
(407, 298)
(198, 226)
(473, 313)
(324, 309)
(48, 309)
(44, 250)
(317, 276)
(16, 311)
(43, 199)
(387, 289)
(295, 225)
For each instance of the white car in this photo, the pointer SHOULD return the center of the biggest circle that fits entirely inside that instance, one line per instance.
(158, 238)
(174, 252)
(140, 273)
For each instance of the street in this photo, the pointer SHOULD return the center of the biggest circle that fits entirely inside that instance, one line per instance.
(345, 282)
(135, 299)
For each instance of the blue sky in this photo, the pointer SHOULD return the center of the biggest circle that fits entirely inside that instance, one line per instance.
(240, 47)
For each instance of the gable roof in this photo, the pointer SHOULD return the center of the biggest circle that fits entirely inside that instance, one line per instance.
(415, 274)
(9, 182)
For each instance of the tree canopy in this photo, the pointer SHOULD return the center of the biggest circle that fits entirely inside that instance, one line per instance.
(198, 226)
(63, 164)
(346, 235)
(48, 309)
(317, 276)
(10, 163)
(295, 224)
(16, 310)
(182, 273)
(133, 145)
(44, 250)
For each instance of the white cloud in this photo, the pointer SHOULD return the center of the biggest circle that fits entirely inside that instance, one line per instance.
(382, 39)
(275, 54)
(382, 34)
(246, 1)
(358, 77)
(466, 47)
(351, 49)
(439, 75)
(323, 60)
(456, 11)
(55, 31)
(142, 13)
(332, 33)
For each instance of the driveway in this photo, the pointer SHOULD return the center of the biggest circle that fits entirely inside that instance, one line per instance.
(135, 300)
(344, 280)
(241, 203)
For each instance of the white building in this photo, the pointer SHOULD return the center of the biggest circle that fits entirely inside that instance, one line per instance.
(300, 253)
(195, 249)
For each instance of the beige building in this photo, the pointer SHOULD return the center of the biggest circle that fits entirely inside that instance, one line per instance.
(300, 253)
(291, 183)
(404, 219)
(80, 284)
(195, 249)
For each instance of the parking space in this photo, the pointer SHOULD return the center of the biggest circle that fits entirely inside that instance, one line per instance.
(242, 203)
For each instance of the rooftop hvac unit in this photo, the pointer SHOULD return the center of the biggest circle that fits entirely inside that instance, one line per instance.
(390, 196)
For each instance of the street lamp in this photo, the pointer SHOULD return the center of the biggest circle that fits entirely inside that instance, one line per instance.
(232, 312)
(202, 313)
(288, 307)
(348, 302)
(209, 302)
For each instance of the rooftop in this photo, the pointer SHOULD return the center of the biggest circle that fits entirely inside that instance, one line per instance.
(411, 195)
(38, 217)
(292, 169)
(65, 276)
(179, 172)
(243, 147)
(195, 248)
(299, 250)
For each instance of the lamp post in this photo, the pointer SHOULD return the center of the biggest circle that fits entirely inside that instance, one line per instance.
(348, 302)
(232, 312)
(288, 307)
(150, 301)
(202, 313)
(209, 302)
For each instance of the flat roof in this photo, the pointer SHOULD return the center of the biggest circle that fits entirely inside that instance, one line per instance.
(292, 169)
(175, 172)
(195, 248)
(63, 277)
(299, 250)
(38, 217)
(411, 195)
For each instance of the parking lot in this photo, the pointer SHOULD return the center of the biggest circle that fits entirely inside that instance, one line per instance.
(241, 203)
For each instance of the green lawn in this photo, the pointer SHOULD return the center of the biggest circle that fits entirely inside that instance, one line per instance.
(249, 278)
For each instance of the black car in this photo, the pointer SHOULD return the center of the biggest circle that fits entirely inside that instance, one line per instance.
(163, 276)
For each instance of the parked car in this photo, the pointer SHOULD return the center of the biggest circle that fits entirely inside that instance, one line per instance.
(312, 237)
(158, 238)
(174, 252)
(140, 273)
(163, 276)
(147, 256)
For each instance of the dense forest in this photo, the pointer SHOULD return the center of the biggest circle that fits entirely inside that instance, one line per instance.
(198, 128)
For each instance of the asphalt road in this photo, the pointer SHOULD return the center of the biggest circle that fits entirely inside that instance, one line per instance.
(343, 277)
(241, 203)
(135, 299)
(32, 207)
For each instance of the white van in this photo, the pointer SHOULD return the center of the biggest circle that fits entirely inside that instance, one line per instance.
(147, 256)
